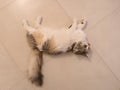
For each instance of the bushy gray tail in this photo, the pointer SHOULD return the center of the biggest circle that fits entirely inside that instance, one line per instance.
(36, 62)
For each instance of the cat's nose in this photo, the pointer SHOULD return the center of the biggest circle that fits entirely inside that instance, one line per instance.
(85, 46)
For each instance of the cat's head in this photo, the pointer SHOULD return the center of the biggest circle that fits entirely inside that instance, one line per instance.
(81, 47)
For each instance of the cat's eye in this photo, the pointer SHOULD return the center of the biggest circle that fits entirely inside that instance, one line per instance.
(82, 22)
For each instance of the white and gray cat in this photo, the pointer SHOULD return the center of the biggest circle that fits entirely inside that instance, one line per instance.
(43, 39)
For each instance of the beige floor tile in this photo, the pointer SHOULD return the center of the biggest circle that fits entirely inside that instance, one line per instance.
(71, 72)
(9, 73)
(11, 30)
(92, 10)
(23, 85)
(4, 3)
(105, 38)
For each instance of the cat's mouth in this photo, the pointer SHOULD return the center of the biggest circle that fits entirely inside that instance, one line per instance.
(82, 53)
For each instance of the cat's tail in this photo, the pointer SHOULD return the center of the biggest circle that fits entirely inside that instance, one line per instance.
(36, 62)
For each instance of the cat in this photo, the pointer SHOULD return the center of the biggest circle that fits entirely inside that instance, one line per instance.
(42, 39)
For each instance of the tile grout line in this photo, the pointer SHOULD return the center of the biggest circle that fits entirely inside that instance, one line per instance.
(13, 63)
(16, 84)
(63, 9)
(11, 58)
(96, 49)
(96, 22)
(20, 82)
(105, 63)
(7, 4)
(7, 52)
(102, 19)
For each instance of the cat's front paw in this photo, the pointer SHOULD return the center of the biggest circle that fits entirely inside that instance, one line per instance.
(83, 21)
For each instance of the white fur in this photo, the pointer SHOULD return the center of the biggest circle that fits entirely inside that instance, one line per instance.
(64, 37)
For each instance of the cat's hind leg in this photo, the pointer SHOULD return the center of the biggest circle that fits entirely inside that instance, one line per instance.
(35, 68)
(38, 21)
(28, 27)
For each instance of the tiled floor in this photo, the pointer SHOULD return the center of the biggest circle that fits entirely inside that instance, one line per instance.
(65, 72)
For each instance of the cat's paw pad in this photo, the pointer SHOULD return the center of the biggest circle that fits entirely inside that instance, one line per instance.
(82, 21)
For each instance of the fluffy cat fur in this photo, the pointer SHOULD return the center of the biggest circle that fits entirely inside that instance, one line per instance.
(43, 39)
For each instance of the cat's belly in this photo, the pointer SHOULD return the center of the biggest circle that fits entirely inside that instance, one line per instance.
(56, 45)
(52, 46)
(59, 40)
(62, 42)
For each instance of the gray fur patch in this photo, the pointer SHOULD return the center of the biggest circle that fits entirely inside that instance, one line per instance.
(38, 80)
(71, 47)
(46, 46)
(31, 41)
